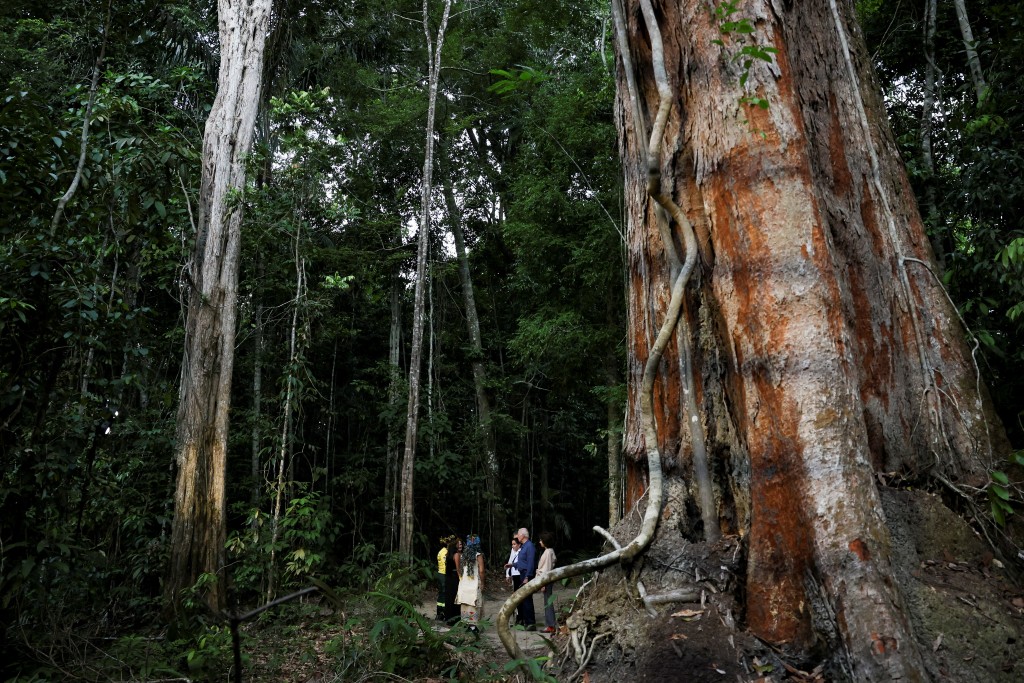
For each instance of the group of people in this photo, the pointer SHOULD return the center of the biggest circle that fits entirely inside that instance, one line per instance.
(523, 567)
(460, 579)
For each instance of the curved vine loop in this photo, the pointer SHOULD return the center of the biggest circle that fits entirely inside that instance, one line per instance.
(626, 553)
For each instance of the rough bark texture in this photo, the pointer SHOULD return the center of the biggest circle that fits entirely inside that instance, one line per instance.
(825, 350)
(199, 528)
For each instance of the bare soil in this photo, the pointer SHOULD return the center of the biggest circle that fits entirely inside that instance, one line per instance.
(966, 611)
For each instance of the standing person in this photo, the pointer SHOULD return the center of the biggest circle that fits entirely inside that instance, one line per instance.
(442, 557)
(512, 574)
(546, 564)
(526, 563)
(451, 580)
(471, 586)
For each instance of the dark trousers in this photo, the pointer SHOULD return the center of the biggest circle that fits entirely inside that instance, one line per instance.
(549, 606)
(527, 617)
(517, 581)
(440, 595)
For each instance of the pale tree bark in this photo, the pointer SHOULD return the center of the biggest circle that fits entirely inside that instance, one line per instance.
(971, 46)
(496, 517)
(416, 354)
(199, 527)
(824, 348)
(394, 396)
(284, 452)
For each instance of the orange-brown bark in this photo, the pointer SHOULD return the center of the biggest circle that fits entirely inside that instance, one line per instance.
(826, 350)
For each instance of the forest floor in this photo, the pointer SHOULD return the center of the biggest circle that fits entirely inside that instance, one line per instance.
(966, 610)
(532, 643)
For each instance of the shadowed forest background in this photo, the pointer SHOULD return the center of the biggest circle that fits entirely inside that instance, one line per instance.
(110, 99)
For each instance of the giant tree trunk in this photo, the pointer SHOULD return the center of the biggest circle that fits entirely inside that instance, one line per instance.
(825, 349)
(199, 528)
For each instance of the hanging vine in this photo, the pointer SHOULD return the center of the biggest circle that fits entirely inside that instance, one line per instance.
(625, 554)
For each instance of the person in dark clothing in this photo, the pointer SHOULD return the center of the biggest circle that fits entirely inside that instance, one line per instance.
(442, 579)
(452, 567)
(526, 563)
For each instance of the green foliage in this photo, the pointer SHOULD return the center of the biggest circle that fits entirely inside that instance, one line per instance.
(1004, 495)
(747, 54)
(307, 534)
(514, 80)
(211, 652)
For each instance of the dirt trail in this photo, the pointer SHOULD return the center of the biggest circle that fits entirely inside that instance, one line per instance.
(532, 643)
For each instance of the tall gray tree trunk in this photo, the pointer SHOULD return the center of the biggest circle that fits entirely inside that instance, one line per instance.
(199, 526)
(971, 46)
(287, 431)
(416, 355)
(929, 205)
(257, 402)
(394, 446)
(496, 518)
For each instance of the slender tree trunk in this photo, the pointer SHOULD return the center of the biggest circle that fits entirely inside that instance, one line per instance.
(971, 46)
(199, 527)
(284, 453)
(930, 207)
(257, 399)
(824, 347)
(393, 445)
(614, 438)
(83, 151)
(416, 355)
(496, 518)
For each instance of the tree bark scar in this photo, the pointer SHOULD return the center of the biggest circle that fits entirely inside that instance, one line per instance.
(860, 549)
(781, 544)
(882, 644)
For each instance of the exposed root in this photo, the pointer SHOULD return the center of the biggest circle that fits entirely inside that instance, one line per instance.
(586, 658)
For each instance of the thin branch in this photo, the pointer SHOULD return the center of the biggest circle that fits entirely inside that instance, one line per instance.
(585, 179)
(66, 197)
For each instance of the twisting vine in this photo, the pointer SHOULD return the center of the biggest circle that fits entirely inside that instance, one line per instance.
(701, 469)
(627, 553)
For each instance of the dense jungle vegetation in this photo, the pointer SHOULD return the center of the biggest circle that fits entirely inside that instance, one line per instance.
(102, 112)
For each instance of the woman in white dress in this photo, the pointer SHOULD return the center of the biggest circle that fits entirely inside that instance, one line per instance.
(471, 586)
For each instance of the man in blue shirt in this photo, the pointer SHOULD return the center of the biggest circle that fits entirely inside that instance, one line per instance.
(526, 563)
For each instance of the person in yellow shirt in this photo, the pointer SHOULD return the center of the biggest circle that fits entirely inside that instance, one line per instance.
(442, 556)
